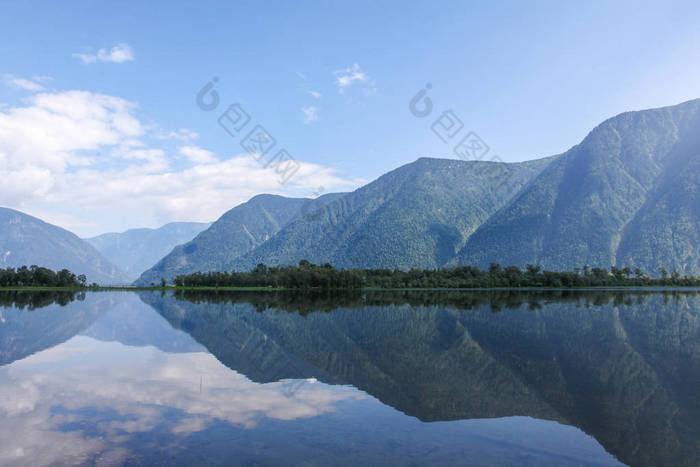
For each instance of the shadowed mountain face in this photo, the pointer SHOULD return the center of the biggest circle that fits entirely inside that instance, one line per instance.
(26, 240)
(624, 369)
(136, 250)
(626, 195)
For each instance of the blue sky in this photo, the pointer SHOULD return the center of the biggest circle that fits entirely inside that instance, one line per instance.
(99, 129)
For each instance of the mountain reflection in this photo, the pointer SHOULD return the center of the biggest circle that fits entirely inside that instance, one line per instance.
(34, 321)
(495, 377)
(312, 301)
(622, 366)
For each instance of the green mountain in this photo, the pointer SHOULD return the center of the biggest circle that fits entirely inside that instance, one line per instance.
(418, 215)
(233, 234)
(136, 250)
(627, 195)
(26, 240)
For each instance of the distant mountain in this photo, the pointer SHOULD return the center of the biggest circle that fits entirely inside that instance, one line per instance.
(136, 250)
(233, 234)
(26, 240)
(627, 195)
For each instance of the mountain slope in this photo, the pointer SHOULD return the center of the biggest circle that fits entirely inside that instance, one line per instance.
(418, 215)
(626, 195)
(136, 250)
(26, 240)
(234, 233)
(666, 232)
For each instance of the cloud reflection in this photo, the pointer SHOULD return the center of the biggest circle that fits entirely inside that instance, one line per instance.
(65, 405)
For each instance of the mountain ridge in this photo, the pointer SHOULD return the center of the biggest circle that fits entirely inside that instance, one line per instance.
(339, 228)
(582, 207)
(27, 240)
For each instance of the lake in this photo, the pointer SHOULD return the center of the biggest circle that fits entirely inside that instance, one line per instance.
(595, 378)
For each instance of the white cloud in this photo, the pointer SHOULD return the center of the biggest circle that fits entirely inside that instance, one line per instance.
(120, 53)
(310, 114)
(23, 83)
(86, 162)
(183, 134)
(50, 133)
(198, 155)
(350, 76)
(315, 94)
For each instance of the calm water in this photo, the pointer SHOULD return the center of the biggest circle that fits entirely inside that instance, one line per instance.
(378, 378)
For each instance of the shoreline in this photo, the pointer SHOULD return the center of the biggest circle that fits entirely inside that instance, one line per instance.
(362, 289)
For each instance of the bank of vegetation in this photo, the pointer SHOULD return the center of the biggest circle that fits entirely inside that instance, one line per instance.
(37, 276)
(310, 276)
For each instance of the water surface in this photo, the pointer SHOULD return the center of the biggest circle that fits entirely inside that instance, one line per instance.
(380, 378)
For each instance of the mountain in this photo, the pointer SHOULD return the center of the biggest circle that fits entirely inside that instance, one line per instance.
(233, 234)
(417, 215)
(26, 240)
(136, 250)
(627, 195)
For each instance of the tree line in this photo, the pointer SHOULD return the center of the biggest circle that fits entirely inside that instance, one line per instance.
(309, 276)
(36, 276)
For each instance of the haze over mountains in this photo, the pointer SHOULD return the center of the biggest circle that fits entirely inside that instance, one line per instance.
(136, 250)
(109, 259)
(627, 195)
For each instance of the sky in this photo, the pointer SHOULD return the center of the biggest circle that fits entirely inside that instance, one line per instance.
(102, 129)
